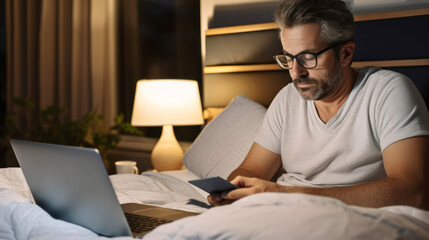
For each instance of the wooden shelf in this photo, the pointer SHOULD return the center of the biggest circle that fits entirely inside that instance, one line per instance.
(242, 68)
(387, 15)
(273, 26)
(275, 67)
(392, 63)
(241, 29)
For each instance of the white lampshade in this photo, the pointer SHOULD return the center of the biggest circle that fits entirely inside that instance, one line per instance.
(167, 102)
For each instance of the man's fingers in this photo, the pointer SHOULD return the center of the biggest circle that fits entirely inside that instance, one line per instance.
(238, 193)
(248, 186)
(241, 181)
(217, 200)
(214, 199)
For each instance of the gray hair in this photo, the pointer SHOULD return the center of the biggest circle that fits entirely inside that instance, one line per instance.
(335, 19)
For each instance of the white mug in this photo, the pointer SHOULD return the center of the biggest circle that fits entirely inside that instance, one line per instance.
(126, 167)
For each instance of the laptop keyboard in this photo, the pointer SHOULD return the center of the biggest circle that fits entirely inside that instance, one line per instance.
(139, 224)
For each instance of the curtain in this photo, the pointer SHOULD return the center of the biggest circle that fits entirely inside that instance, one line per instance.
(63, 52)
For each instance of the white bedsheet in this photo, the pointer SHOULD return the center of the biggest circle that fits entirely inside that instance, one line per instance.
(261, 216)
(297, 216)
(158, 189)
(21, 219)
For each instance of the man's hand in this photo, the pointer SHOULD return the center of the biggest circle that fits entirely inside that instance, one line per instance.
(216, 199)
(248, 186)
(260, 163)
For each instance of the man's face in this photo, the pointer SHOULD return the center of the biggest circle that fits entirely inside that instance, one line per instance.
(317, 83)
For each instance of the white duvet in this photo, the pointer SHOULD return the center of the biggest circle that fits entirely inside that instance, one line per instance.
(261, 216)
(297, 216)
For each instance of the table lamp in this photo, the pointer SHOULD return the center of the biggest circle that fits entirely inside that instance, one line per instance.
(167, 102)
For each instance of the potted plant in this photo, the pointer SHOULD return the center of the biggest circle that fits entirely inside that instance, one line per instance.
(53, 125)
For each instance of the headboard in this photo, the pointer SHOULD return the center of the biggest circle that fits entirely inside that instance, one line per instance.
(238, 59)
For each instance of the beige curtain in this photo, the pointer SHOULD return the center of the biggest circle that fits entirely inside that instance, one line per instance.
(63, 52)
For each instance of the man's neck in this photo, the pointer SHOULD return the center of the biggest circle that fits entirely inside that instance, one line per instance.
(328, 107)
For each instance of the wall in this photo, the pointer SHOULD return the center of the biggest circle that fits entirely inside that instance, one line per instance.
(221, 13)
(377, 6)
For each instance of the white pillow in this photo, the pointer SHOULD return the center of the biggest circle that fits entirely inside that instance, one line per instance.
(225, 141)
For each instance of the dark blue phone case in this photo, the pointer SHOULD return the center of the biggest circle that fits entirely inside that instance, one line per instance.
(213, 185)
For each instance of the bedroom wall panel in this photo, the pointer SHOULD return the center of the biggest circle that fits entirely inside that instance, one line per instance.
(388, 39)
(242, 48)
(221, 88)
(237, 56)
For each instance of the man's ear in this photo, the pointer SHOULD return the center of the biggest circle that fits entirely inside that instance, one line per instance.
(346, 54)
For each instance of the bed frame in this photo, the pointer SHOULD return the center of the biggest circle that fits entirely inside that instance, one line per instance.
(239, 58)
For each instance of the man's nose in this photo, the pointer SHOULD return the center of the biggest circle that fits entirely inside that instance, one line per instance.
(297, 70)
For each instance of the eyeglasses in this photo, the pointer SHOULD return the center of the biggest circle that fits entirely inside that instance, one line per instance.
(306, 60)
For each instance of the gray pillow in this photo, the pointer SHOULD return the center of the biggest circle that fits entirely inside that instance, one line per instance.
(225, 141)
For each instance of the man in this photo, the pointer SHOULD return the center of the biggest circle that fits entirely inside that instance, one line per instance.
(358, 136)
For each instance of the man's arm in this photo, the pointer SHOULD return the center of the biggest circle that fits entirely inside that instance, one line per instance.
(407, 168)
(259, 163)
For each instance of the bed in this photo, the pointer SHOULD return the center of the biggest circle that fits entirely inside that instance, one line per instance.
(220, 147)
(261, 216)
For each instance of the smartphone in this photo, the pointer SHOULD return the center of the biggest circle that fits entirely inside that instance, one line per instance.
(213, 185)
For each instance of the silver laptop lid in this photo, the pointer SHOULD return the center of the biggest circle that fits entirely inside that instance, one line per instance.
(71, 184)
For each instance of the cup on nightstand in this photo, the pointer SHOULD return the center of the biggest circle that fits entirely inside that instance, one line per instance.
(126, 167)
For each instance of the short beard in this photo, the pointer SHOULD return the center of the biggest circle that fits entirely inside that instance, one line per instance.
(323, 88)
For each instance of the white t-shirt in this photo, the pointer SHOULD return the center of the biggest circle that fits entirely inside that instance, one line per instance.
(382, 108)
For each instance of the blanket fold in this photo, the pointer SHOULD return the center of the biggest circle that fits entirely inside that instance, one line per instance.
(260, 216)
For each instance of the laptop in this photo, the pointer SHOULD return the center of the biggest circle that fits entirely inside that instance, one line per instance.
(72, 184)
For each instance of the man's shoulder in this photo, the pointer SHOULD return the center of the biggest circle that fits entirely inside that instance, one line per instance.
(382, 80)
(377, 75)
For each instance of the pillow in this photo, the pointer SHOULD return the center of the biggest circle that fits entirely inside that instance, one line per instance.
(224, 143)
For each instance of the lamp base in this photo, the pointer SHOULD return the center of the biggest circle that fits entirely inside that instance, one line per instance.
(167, 153)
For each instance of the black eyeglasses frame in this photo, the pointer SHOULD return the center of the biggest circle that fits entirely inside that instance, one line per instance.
(315, 54)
